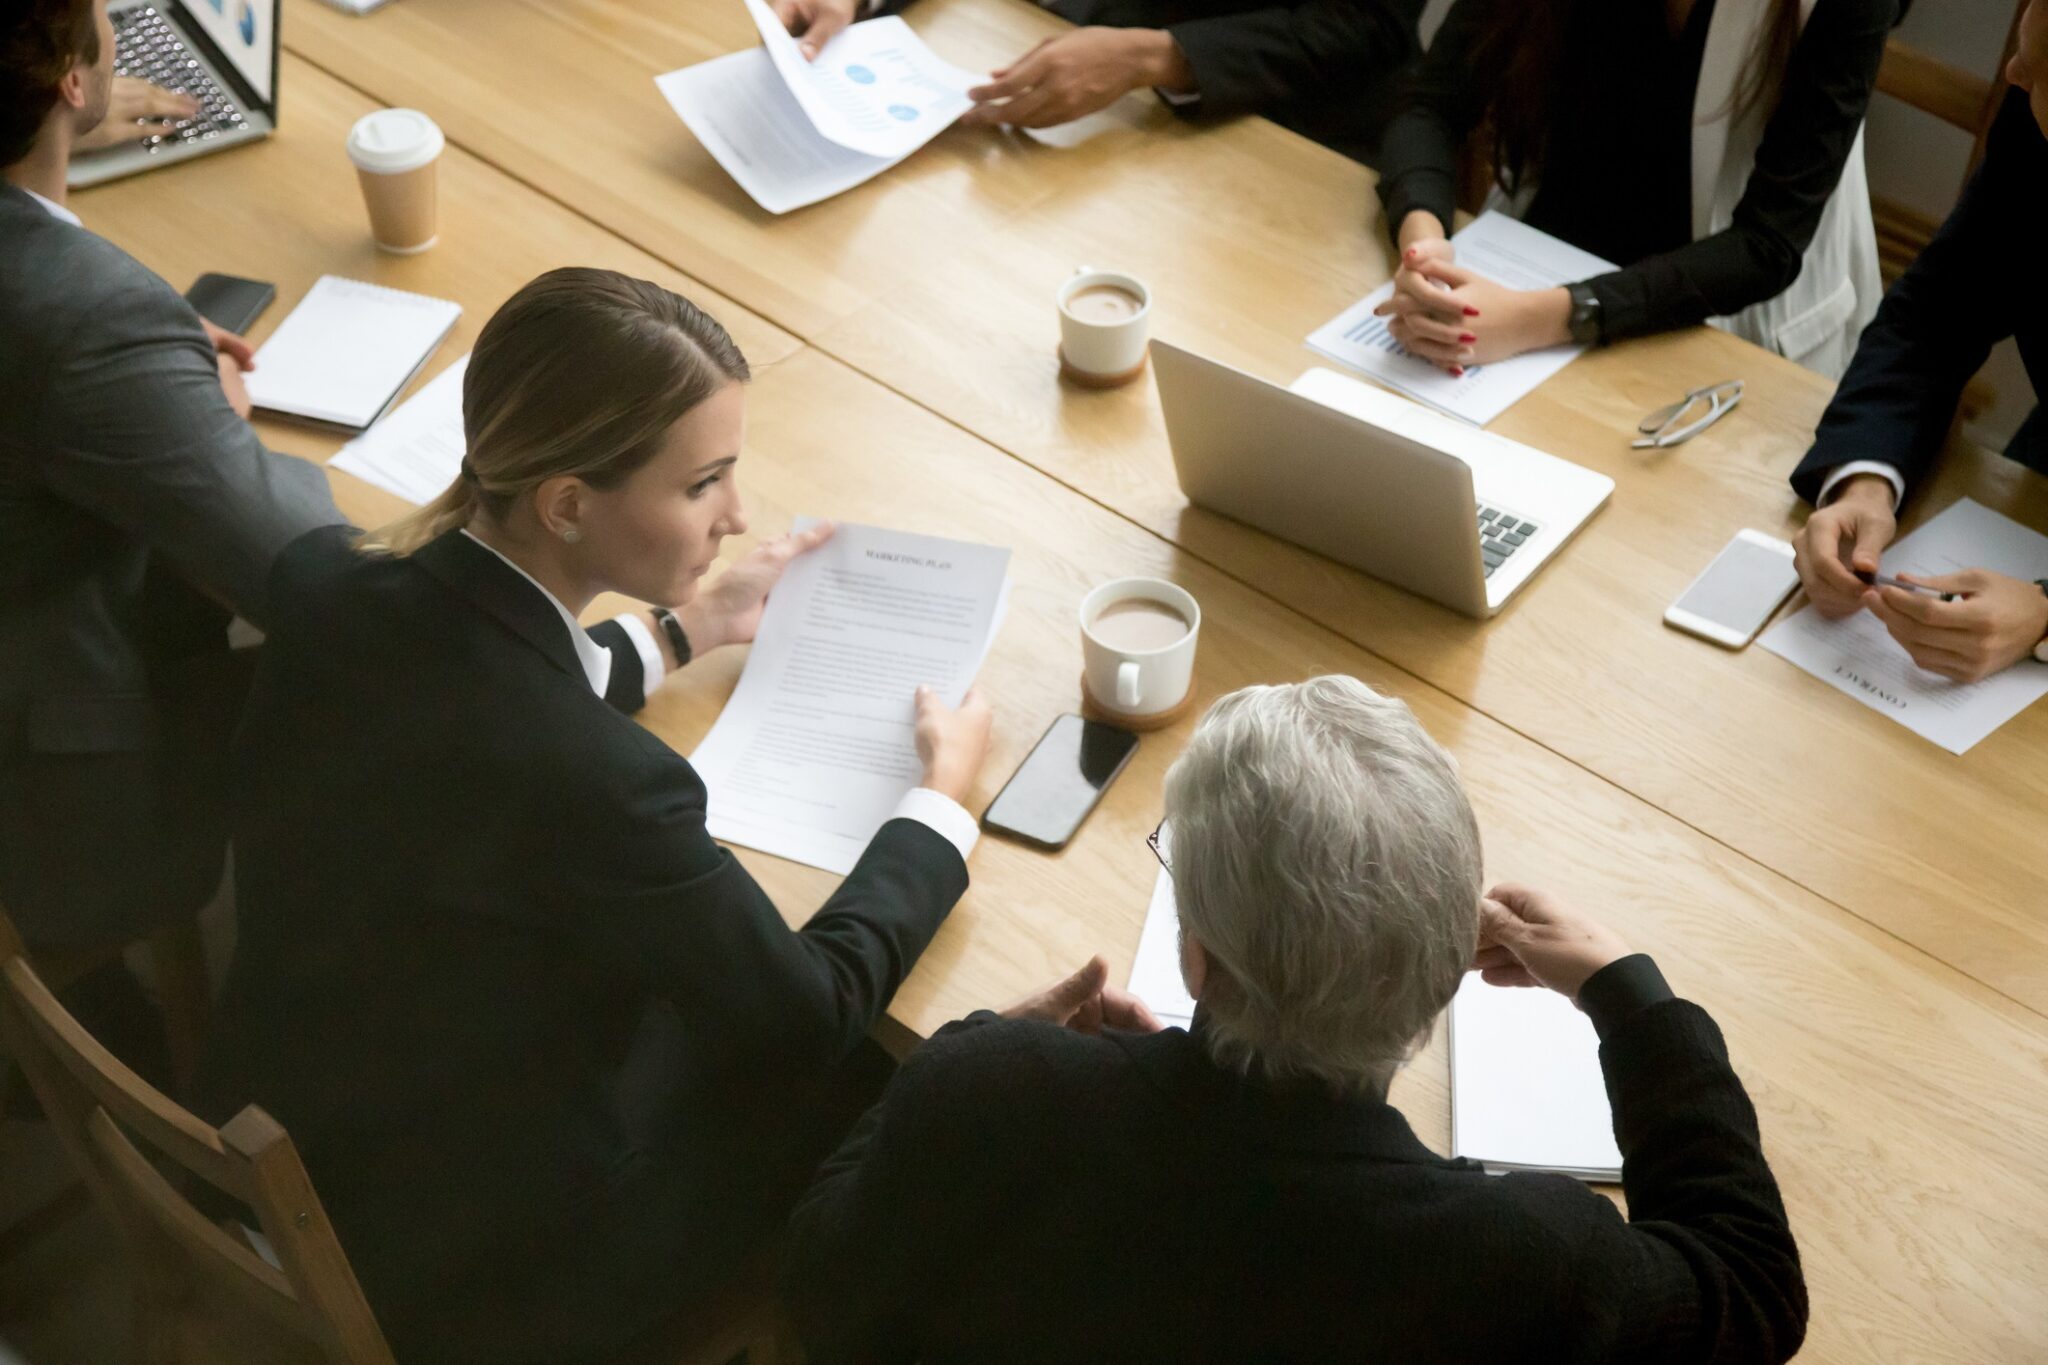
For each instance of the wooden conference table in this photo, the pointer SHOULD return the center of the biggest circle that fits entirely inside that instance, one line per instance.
(936, 280)
(1901, 1098)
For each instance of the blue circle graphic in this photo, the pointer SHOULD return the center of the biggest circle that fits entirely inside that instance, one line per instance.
(860, 75)
(903, 112)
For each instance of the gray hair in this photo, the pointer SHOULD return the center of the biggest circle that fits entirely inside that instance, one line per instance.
(1325, 856)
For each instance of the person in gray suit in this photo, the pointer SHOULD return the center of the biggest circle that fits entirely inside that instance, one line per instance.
(138, 513)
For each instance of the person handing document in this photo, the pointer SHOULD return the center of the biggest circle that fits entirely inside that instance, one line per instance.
(1317, 66)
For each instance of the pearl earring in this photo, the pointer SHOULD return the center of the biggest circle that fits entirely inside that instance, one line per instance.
(571, 535)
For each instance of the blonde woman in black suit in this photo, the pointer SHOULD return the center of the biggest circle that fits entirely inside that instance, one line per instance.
(554, 1060)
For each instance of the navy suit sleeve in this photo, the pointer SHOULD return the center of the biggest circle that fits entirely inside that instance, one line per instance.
(1940, 320)
(1705, 1269)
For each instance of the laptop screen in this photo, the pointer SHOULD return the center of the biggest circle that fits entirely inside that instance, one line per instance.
(245, 31)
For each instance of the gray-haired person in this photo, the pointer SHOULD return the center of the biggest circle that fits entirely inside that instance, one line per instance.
(1069, 1181)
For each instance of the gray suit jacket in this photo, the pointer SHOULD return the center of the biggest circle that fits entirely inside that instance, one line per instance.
(126, 481)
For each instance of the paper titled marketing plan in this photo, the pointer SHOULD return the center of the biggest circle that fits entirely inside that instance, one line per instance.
(818, 743)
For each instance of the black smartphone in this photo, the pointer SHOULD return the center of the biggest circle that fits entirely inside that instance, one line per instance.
(230, 301)
(1053, 790)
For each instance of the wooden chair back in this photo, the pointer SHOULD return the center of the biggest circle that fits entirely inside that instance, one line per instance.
(204, 1292)
(1962, 99)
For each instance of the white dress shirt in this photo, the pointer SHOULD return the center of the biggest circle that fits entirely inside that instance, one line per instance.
(941, 814)
(1846, 472)
(53, 208)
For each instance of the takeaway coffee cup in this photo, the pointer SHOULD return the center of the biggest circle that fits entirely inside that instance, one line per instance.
(1138, 646)
(1103, 319)
(397, 155)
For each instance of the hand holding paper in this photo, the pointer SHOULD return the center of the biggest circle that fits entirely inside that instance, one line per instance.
(822, 737)
(873, 89)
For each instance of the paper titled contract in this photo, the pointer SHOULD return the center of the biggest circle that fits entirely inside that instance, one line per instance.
(1857, 655)
(793, 132)
(817, 744)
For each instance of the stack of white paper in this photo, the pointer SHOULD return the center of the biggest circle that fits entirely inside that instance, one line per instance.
(1858, 656)
(1526, 1089)
(1155, 974)
(793, 132)
(817, 744)
(417, 451)
(347, 351)
(1503, 250)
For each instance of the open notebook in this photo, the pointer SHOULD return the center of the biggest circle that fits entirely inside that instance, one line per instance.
(347, 351)
(1526, 1089)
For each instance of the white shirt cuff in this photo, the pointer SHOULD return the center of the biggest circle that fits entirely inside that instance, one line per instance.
(653, 668)
(942, 815)
(1843, 473)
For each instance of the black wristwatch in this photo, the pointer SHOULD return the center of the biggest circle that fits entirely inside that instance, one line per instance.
(1585, 323)
(673, 628)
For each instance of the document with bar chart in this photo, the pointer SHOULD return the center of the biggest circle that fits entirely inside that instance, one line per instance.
(1505, 251)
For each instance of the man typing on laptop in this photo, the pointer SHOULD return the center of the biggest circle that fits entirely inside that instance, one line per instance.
(137, 509)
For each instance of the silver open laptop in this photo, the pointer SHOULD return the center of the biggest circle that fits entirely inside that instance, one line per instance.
(223, 53)
(1371, 479)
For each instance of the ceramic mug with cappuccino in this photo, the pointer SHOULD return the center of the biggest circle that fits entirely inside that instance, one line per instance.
(1103, 319)
(397, 154)
(1138, 645)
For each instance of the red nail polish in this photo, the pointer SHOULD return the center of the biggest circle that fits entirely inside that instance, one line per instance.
(1467, 338)
(1457, 371)
(1470, 311)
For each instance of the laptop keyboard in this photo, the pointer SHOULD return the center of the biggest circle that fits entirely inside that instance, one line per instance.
(147, 47)
(1500, 535)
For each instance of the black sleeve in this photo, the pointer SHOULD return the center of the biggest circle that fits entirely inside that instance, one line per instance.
(1939, 321)
(1705, 1269)
(850, 1266)
(627, 690)
(1827, 86)
(1257, 59)
(657, 898)
(1442, 98)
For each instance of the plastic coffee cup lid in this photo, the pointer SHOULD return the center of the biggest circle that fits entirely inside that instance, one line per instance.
(393, 140)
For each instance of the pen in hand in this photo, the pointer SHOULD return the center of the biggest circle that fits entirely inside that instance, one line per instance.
(1886, 581)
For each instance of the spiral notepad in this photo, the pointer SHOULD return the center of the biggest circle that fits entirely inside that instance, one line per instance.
(347, 351)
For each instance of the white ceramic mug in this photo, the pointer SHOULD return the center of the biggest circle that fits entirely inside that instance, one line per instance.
(1131, 681)
(1098, 351)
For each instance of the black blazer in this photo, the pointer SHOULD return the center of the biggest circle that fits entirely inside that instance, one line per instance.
(134, 503)
(1939, 322)
(1324, 68)
(1024, 1193)
(540, 1040)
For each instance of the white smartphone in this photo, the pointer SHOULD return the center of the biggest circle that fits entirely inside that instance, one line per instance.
(1730, 602)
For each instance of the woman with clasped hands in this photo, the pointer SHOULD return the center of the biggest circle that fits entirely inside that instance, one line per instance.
(1711, 149)
(1066, 1180)
(555, 1061)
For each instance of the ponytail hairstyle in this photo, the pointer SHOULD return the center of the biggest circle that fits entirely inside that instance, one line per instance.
(1520, 57)
(581, 373)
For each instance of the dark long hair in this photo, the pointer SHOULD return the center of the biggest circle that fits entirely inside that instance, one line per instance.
(581, 372)
(1520, 56)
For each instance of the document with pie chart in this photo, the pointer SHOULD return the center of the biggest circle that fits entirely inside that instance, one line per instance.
(793, 131)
